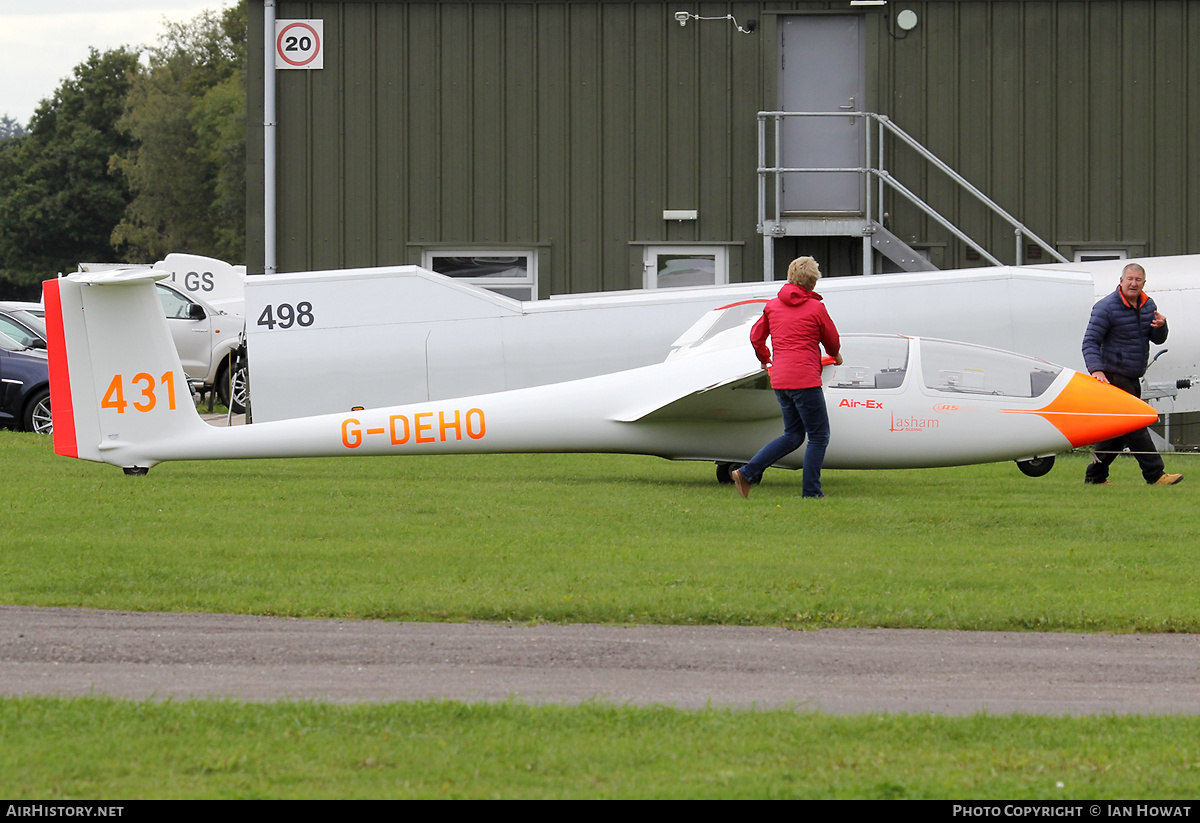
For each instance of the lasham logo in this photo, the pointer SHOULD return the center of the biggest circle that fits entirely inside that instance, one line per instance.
(860, 404)
(913, 424)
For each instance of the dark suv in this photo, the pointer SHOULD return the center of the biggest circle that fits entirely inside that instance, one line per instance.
(24, 387)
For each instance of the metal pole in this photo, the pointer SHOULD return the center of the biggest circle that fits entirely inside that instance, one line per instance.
(868, 260)
(768, 262)
(269, 162)
(778, 176)
(879, 183)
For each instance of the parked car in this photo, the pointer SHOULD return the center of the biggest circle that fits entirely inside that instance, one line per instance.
(24, 387)
(36, 309)
(18, 321)
(207, 340)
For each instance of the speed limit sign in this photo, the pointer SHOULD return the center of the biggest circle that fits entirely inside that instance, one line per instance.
(299, 44)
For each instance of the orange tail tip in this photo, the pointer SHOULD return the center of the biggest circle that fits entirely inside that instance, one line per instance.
(1087, 411)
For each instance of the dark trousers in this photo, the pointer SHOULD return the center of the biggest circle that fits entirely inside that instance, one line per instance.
(804, 414)
(1138, 442)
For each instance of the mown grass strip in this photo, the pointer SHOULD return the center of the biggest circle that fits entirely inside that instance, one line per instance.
(102, 748)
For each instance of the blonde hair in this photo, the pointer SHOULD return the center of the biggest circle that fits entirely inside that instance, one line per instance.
(804, 272)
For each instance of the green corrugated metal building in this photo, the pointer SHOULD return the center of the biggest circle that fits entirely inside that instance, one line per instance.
(588, 146)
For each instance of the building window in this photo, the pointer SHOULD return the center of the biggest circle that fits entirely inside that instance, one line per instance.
(510, 272)
(1090, 255)
(677, 266)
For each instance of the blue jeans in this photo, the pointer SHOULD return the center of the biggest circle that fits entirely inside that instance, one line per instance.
(803, 414)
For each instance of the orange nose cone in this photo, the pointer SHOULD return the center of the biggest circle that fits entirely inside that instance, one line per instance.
(1087, 411)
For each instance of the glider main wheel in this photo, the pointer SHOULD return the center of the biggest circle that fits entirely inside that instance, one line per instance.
(1036, 467)
(725, 473)
(136, 471)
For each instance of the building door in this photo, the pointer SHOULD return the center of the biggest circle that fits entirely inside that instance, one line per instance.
(822, 67)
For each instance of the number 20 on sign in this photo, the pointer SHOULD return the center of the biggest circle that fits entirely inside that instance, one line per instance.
(299, 44)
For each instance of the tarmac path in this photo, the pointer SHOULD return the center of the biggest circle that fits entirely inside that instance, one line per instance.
(143, 655)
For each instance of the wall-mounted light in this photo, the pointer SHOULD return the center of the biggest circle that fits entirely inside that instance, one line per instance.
(681, 17)
(907, 20)
(868, 2)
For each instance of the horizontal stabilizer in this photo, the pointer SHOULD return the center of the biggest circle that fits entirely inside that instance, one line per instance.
(113, 277)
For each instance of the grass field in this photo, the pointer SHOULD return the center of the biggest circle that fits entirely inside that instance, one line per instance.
(592, 538)
(602, 538)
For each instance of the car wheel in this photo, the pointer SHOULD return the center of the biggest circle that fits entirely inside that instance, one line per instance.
(234, 397)
(37, 413)
(1036, 467)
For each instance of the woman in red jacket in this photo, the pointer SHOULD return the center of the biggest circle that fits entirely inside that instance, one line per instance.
(798, 325)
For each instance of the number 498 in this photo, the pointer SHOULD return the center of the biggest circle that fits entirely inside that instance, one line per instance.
(285, 316)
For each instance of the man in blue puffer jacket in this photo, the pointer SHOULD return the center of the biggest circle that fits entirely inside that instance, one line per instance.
(1116, 350)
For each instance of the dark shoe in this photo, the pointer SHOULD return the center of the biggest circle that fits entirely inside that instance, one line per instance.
(741, 483)
(1168, 480)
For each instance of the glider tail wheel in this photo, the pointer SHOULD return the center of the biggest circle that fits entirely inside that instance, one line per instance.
(1036, 467)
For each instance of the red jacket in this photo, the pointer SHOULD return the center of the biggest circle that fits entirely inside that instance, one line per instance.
(796, 322)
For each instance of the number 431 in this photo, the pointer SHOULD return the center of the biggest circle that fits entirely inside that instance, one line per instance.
(114, 396)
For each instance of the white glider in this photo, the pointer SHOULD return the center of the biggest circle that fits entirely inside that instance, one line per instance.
(119, 396)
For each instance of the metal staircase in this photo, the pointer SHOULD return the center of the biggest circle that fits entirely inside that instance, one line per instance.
(775, 222)
(896, 250)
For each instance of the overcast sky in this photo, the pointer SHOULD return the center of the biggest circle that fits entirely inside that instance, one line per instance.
(41, 41)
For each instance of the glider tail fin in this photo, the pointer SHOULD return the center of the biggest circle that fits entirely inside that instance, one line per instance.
(116, 383)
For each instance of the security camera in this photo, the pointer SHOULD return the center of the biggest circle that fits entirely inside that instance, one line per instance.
(681, 17)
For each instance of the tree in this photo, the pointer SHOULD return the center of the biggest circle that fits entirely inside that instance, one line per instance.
(58, 201)
(187, 115)
(10, 128)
